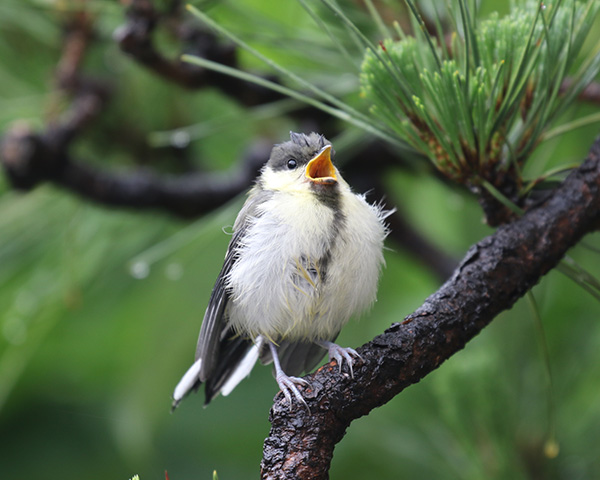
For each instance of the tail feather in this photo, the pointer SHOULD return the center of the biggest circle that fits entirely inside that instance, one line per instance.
(236, 358)
(190, 381)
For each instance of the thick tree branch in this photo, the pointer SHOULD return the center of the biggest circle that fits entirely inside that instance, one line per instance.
(494, 274)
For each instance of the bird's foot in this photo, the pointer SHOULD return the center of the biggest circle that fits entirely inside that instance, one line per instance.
(341, 354)
(289, 386)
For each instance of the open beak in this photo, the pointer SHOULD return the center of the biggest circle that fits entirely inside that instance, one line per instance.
(320, 169)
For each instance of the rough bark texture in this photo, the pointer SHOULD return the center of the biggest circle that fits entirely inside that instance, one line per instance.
(494, 274)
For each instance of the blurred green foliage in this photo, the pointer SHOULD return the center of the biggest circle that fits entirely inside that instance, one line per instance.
(100, 308)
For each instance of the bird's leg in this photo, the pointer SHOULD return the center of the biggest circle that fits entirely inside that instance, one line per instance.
(286, 383)
(339, 354)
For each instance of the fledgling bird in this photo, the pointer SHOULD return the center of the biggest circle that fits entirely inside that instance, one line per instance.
(305, 256)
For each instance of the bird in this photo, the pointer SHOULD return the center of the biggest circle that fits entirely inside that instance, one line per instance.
(305, 256)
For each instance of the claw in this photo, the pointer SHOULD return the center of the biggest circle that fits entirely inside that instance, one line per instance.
(288, 385)
(339, 354)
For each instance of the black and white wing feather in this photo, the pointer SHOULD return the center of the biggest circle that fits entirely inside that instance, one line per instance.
(219, 352)
(212, 328)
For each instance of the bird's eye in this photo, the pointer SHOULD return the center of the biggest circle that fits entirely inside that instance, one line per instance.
(292, 163)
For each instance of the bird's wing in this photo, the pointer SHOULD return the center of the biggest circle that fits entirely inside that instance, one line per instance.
(213, 326)
(221, 357)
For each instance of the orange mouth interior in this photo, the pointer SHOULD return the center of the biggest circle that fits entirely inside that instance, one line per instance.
(320, 169)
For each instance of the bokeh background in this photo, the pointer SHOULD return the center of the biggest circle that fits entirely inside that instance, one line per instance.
(100, 308)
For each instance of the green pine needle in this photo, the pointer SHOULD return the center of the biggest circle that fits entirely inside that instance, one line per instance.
(551, 445)
(485, 103)
(580, 277)
(329, 103)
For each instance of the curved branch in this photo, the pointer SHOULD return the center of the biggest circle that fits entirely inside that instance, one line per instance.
(494, 274)
(30, 159)
(135, 37)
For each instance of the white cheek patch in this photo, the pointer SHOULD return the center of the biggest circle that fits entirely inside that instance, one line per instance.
(286, 180)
